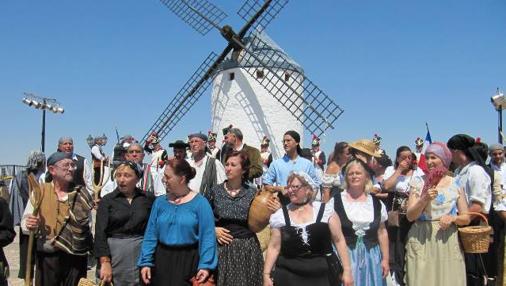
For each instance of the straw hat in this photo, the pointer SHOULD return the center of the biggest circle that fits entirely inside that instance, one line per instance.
(367, 146)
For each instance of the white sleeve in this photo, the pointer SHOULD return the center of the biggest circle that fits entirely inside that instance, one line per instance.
(95, 150)
(479, 185)
(329, 211)
(389, 171)
(277, 219)
(87, 177)
(220, 172)
(384, 214)
(28, 211)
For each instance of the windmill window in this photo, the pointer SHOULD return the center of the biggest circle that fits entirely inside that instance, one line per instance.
(260, 73)
(231, 76)
(287, 76)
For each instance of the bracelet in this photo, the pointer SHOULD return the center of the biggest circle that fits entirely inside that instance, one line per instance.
(267, 273)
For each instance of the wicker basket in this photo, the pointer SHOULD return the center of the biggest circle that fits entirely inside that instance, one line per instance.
(476, 239)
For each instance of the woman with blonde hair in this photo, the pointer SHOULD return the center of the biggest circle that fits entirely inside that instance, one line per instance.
(362, 219)
(302, 232)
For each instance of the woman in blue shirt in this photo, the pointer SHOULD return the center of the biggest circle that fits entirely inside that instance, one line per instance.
(180, 242)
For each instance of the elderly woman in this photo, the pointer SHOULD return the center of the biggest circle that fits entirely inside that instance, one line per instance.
(180, 242)
(121, 220)
(397, 182)
(362, 216)
(437, 208)
(332, 178)
(239, 256)
(302, 233)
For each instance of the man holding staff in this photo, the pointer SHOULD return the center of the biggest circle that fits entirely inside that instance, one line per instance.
(62, 228)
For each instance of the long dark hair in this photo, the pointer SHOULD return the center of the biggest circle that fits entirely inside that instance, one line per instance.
(338, 150)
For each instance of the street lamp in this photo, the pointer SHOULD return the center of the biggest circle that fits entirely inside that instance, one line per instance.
(499, 103)
(43, 104)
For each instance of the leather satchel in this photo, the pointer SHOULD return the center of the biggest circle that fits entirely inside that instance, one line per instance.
(335, 268)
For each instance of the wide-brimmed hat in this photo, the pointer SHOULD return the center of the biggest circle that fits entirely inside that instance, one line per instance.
(366, 146)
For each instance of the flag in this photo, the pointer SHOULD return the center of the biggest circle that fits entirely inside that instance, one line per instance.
(421, 162)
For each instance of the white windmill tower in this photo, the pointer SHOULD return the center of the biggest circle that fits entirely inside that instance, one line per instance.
(239, 99)
(257, 87)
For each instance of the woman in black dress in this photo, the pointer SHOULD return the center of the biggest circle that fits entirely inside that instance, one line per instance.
(239, 256)
(301, 239)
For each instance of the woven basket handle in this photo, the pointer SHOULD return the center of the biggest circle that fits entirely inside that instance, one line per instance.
(484, 218)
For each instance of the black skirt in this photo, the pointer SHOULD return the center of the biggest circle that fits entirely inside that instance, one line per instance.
(175, 265)
(301, 271)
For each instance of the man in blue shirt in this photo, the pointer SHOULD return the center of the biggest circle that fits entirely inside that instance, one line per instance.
(280, 169)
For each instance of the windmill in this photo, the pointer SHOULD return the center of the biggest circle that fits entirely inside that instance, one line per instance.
(251, 59)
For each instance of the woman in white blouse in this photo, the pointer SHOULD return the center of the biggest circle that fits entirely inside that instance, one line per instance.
(363, 219)
(302, 234)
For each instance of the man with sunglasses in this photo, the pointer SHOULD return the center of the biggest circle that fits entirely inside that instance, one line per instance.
(62, 225)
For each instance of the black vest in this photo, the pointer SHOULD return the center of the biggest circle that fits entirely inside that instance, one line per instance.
(79, 172)
(319, 238)
(371, 235)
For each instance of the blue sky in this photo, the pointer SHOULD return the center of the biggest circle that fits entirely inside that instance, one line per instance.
(392, 65)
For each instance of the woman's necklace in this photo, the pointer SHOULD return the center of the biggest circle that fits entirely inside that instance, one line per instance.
(231, 192)
(178, 198)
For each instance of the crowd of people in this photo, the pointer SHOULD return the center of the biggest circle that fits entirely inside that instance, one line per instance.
(355, 217)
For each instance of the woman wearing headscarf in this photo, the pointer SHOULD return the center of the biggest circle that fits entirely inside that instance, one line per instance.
(302, 234)
(432, 248)
(122, 217)
(474, 177)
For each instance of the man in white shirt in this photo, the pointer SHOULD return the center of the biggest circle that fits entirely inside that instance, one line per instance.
(82, 174)
(209, 171)
(473, 177)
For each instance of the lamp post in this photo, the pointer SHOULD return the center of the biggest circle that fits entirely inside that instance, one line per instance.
(499, 103)
(42, 103)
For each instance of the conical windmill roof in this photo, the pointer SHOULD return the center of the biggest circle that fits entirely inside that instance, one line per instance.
(268, 51)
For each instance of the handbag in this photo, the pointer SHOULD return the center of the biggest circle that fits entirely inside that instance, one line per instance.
(209, 282)
(335, 268)
(393, 218)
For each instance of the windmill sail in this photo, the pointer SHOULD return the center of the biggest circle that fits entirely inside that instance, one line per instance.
(307, 102)
(195, 12)
(251, 7)
(185, 98)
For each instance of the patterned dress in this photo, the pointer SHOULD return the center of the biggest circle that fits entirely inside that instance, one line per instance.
(241, 261)
(433, 255)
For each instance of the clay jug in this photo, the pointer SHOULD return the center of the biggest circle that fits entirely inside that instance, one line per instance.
(259, 213)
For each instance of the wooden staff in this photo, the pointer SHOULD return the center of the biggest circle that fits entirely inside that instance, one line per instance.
(35, 200)
(97, 188)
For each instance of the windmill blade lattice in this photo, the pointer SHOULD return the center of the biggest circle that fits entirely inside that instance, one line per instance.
(250, 7)
(185, 98)
(195, 12)
(307, 102)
